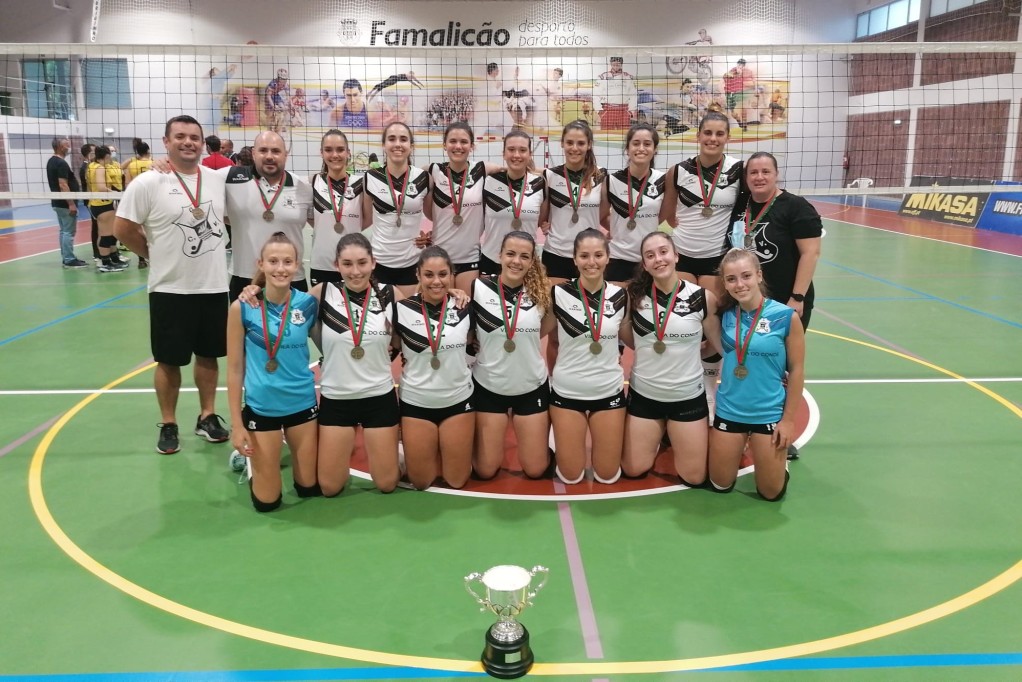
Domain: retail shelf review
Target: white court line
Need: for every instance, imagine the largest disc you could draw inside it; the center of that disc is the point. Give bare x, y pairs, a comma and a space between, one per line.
823, 382
919, 236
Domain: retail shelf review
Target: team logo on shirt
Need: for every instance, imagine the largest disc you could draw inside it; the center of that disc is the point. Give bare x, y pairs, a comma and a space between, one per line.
651, 190
297, 317
763, 327
412, 191
681, 307
201, 235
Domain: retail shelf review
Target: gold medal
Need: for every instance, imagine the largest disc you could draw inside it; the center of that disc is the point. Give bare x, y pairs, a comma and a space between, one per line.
630, 224
516, 223
198, 213
457, 220
271, 365
595, 348
268, 215
434, 362
749, 241
339, 227
707, 211
574, 216
659, 347
741, 371
358, 352
509, 345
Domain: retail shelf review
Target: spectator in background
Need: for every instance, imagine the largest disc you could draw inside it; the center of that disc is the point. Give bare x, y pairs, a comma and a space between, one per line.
215, 160
61, 179
245, 156
227, 149
138, 164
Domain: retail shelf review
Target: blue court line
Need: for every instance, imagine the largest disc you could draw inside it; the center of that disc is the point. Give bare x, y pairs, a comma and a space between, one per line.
924, 294
69, 316
874, 662
250, 675
861, 299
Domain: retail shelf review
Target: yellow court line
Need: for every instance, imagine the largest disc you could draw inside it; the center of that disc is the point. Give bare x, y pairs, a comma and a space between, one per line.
50, 525
8, 224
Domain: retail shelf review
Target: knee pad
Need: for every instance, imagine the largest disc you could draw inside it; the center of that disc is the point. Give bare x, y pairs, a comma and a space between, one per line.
717, 489
565, 481
108, 242
607, 481
779, 496
694, 486
263, 507
308, 490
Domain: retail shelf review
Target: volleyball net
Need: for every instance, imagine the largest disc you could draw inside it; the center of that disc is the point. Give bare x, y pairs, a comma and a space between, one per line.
856, 119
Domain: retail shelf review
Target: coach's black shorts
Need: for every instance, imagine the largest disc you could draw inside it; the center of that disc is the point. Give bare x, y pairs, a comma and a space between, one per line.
181, 325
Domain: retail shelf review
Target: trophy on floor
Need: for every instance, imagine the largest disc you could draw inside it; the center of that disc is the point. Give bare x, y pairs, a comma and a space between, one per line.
509, 590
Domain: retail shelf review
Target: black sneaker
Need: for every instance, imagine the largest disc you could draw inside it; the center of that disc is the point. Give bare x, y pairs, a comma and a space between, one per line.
212, 429
75, 264
168, 443
142, 263
792, 453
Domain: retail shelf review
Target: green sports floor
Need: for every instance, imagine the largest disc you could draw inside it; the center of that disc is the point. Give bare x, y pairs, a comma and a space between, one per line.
896, 555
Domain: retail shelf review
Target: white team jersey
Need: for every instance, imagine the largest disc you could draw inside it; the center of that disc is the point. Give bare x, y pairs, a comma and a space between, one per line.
421, 385
246, 194
499, 214
347, 197
460, 241
343, 377
677, 373
496, 370
187, 255
578, 373
624, 242
697, 236
394, 246
560, 241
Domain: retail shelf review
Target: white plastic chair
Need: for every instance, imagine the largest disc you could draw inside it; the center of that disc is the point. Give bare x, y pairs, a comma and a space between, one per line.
860, 183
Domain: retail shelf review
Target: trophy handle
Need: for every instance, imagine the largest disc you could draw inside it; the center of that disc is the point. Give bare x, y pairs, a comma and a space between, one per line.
546, 574
471, 578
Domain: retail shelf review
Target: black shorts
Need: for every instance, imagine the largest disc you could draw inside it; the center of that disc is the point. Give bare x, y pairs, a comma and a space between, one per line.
728, 426
255, 422
614, 402
488, 267
184, 324
466, 267
559, 266
700, 267
239, 283
533, 402
378, 412
321, 276
97, 211
691, 410
620, 270
437, 415
397, 276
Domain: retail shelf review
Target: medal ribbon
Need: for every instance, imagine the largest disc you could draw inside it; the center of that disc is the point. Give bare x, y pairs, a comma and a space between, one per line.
457, 198
713, 188
509, 325
356, 334
642, 191
271, 352
434, 345
398, 205
338, 209
517, 210
742, 347
574, 194
276, 195
748, 227
197, 199
595, 319
661, 329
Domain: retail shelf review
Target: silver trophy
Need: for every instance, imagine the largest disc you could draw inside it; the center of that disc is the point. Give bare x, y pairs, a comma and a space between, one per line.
509, 590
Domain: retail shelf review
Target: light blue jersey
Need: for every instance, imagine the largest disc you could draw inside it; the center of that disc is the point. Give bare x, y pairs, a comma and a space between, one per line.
759, 397
291, 388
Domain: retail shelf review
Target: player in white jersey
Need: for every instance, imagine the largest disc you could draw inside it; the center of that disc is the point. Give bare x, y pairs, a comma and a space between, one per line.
262, 200
513, 198
669, 317
175, 221
631, 202
587, 382
511, 315
573, 195
433, 335
336, 206
392, 205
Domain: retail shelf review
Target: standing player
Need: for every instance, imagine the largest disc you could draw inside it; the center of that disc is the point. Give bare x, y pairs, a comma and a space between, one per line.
669, 318
104, 175
279, 387
392, 205
587, 383
514, 201
764, 357
262, 200
336, 206
175, 221
437, 421
631, 202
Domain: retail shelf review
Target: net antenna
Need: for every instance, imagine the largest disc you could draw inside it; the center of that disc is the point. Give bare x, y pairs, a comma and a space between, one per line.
97, 6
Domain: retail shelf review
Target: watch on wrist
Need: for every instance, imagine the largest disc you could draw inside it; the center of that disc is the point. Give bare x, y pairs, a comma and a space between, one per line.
798, 298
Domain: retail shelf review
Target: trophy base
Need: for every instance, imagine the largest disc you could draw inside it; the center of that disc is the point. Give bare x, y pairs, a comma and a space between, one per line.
507, 660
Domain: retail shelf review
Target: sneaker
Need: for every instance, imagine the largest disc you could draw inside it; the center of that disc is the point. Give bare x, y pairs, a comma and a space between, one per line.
168, 443
121, 247
112, 267
142, 263
75, 264
116, 259
792, 453
212, 429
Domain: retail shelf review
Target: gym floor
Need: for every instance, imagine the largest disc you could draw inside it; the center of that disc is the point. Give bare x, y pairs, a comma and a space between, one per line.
896, 554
